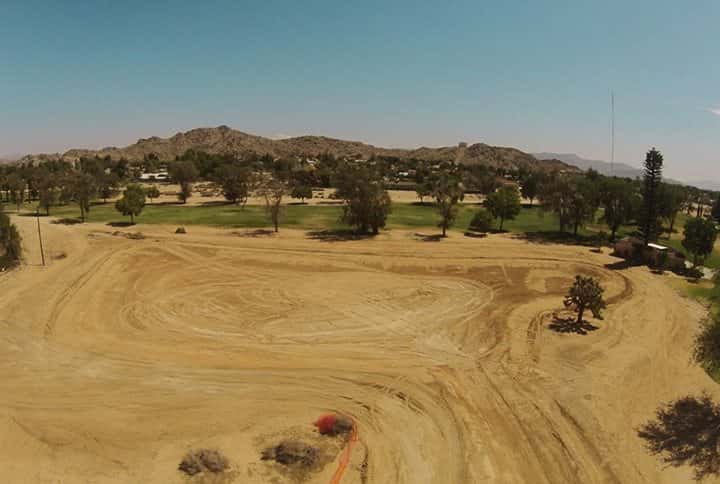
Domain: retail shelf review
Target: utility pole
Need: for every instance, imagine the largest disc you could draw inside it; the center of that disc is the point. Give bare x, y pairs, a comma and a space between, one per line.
612, 132
42, 252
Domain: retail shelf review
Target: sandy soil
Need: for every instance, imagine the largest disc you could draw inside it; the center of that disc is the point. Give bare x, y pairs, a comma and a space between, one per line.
121, 355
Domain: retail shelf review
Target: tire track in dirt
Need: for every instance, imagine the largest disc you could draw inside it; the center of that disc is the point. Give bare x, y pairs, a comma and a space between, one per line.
440, 357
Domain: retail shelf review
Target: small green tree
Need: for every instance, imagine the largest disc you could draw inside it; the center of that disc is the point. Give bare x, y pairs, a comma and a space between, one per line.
482, 221
10, 240
16, 185
273, 189
152, 192
448, 192
83, 188
302, 192
556, 195
530, 186
132, 202
234, 182
706, 350
715, 212
108, 184
47, 189
586, 293
618, 199
700, 235
184, 173
504, 204
367, 203
424, 189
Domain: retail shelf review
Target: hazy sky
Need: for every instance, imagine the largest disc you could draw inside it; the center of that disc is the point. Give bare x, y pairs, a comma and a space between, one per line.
534, 75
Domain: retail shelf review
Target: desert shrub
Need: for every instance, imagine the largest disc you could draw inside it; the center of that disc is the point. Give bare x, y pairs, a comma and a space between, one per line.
203, 460
482, 221
585, 293
293, 453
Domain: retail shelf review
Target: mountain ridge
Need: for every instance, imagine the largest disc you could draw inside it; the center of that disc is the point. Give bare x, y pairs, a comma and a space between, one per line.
223, 139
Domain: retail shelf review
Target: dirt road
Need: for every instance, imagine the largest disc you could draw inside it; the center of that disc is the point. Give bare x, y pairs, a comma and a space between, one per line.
123, 354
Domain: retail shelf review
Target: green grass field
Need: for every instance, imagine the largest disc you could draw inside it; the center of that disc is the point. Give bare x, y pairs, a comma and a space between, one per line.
322, 217
311, 217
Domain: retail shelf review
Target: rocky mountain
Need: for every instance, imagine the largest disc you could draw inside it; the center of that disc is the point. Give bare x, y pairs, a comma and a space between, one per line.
227, 140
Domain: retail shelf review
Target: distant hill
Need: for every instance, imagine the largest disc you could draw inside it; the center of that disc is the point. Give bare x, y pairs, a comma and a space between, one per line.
602, 167
621, 169
223, 139
5, 159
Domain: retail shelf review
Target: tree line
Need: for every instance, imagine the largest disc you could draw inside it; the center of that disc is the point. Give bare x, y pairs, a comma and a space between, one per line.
577, 199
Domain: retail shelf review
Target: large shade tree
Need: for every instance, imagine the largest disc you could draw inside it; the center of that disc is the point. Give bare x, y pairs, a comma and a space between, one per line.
504, 204
367, 203
618, 199
699, 238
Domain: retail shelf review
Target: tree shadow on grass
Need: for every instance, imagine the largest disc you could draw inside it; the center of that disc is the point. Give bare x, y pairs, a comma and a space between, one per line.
620, 265
174, 202
570, 325
254, 233
686, 431
475, 234
428, 237
339, 235
120, 224
556, 237
217, 203
67, 221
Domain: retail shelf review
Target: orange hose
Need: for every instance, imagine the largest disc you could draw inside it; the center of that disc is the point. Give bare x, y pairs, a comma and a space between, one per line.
345, 457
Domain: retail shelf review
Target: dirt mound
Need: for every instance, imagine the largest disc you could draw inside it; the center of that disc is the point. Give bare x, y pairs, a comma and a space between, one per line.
293, 453
203, 460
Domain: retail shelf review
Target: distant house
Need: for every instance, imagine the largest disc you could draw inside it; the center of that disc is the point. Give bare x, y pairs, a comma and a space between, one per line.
633, 248
161, 175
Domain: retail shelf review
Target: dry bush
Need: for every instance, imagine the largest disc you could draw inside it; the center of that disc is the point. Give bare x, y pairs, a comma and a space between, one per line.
180, 230
293, 453
203, 460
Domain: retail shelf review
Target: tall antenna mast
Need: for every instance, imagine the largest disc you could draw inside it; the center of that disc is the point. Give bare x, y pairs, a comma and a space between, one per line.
612, 132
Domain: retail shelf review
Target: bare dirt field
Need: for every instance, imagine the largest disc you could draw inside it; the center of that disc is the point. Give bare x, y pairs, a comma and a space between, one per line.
122, 355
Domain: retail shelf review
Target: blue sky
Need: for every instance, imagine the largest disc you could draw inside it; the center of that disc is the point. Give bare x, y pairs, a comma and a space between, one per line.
534, 75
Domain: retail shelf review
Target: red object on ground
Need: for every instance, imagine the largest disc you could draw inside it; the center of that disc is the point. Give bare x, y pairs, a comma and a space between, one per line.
326, 423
